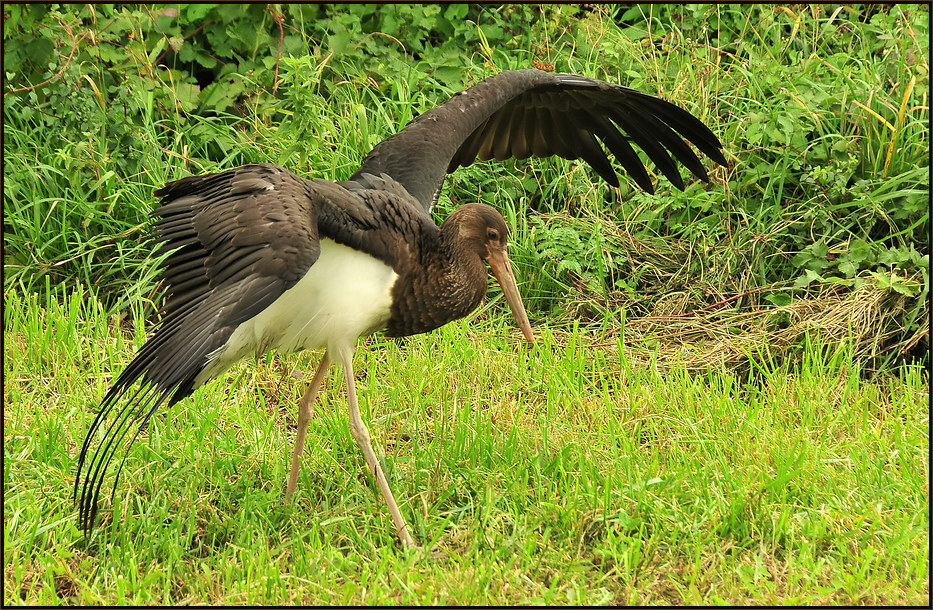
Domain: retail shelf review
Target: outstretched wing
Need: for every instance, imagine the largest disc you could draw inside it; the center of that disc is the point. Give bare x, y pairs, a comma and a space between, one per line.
240, 238
526, 113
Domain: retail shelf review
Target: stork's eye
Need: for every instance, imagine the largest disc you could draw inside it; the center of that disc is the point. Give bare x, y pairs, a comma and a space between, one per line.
492, 235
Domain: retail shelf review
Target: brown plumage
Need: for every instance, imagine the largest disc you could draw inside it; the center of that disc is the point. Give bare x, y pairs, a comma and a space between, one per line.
262, 259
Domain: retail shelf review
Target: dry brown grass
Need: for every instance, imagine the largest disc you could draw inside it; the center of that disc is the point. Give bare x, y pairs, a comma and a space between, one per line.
865, 318
868, 320
698, 308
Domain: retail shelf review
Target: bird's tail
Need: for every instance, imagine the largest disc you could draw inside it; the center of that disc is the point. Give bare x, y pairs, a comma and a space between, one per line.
164, 370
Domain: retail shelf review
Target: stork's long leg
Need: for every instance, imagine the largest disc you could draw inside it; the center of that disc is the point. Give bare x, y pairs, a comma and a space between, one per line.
305, 411
360, 434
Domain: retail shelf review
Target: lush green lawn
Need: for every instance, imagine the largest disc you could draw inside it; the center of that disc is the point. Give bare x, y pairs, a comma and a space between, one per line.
556, 473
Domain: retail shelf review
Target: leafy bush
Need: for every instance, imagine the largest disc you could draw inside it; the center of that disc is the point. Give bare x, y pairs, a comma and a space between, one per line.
823, 111
102, 100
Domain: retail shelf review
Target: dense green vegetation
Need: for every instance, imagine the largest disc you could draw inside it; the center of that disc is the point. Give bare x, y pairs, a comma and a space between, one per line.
823, 113
734, 406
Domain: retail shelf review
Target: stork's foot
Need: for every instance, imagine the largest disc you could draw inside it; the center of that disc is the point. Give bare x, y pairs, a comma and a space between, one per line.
425, 552
435, 554
401, 528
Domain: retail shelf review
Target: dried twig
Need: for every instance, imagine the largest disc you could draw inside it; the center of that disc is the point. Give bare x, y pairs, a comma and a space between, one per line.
74, 47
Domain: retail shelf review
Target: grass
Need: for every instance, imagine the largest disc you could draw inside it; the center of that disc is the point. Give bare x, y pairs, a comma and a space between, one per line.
556, 473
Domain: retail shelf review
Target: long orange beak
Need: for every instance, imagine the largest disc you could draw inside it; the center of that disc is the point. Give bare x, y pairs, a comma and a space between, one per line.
499, 263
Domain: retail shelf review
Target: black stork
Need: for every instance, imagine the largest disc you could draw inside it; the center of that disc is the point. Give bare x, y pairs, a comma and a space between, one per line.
262, 259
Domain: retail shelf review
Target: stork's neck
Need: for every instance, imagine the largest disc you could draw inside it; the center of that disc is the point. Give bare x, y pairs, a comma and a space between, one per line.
448, 282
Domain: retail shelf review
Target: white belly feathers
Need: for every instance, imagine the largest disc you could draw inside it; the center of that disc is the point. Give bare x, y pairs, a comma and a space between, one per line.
344, 295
